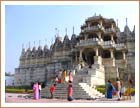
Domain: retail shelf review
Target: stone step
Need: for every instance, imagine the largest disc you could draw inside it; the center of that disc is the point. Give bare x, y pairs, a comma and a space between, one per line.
81, 91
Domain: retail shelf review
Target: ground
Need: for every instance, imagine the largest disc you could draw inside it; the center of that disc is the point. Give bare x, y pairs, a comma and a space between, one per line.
22, 98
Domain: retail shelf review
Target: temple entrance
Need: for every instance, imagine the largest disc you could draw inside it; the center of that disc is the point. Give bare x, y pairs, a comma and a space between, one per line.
88, 56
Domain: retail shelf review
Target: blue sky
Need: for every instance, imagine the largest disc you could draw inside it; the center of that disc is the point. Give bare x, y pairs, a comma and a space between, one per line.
29, 23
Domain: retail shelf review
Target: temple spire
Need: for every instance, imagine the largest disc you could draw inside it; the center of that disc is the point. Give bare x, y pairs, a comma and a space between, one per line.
117, 22
66, 31
126, 22
58, 33
34, 43
39, 42
29, 44
73, 29
55, 33
134, 29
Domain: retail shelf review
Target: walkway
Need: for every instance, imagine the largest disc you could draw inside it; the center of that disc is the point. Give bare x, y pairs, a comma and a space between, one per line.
22, 98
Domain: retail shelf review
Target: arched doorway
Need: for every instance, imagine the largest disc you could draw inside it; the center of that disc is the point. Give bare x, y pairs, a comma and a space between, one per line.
88, 56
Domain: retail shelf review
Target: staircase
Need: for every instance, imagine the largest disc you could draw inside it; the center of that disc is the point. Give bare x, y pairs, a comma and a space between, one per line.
82, 88
80, 91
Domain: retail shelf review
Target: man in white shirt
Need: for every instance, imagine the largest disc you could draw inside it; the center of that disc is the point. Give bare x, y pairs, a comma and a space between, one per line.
118, 88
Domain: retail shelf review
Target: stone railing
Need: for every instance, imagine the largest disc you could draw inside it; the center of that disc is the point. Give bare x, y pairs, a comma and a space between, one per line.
92, 28
108, 61
120, 46
109, 30
108, 44
121, 63
93, 41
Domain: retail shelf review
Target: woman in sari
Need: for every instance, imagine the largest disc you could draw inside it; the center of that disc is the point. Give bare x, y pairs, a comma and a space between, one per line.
109, 89
64, 73
36, 90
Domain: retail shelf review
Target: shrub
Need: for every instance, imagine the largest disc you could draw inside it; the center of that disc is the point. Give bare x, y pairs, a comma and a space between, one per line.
19, 87
100, 86
29, 91
15, 90
18, 91
102, 90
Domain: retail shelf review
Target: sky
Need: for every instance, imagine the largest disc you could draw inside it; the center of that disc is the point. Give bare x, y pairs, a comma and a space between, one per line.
29, 23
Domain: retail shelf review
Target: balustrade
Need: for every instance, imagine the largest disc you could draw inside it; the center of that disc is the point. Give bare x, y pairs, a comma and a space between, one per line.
109, 30
92, 41
120, 46
93, 28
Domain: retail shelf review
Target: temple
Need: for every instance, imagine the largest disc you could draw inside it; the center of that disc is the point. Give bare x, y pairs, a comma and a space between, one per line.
101, 48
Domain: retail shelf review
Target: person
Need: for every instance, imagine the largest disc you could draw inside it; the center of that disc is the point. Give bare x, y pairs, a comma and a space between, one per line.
121, 88
109, 89
70, 92
52, 90
130, 84
64, 73
36, 90
39, 86
56, 79
70, 77
118, 88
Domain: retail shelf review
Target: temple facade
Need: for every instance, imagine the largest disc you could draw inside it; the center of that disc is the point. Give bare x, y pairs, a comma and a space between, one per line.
103, 51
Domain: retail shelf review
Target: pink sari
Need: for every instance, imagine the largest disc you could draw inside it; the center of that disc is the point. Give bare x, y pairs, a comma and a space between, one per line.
36, 91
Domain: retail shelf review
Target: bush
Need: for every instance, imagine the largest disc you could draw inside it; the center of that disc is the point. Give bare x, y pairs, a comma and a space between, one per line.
100, 86
29, 91
19, 87
18, 91
102, 90
15, 90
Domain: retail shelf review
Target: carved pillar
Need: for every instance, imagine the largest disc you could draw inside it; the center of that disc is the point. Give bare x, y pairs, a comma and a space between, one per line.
100, 23
112, 38
111, 53
81, 55
112, 27
124, 57
89, 25
97, 52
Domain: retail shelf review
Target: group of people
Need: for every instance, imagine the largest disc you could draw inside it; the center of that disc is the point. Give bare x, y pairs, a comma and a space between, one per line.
117, 89
63, 79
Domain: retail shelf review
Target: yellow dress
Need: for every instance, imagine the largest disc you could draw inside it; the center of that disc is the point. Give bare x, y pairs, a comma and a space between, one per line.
64, 76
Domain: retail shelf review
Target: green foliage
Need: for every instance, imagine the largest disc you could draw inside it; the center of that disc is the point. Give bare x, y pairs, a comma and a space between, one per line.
29, 91
18, 87
13, 90
102, 90
100, 86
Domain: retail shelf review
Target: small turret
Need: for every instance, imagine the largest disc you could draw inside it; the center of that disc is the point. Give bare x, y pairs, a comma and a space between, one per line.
127, 30
66, 41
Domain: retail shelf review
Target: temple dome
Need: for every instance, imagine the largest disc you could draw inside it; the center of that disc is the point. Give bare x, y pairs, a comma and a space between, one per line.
58, 45
127, 30
34, 49
66, 42
39, 48
73, 40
